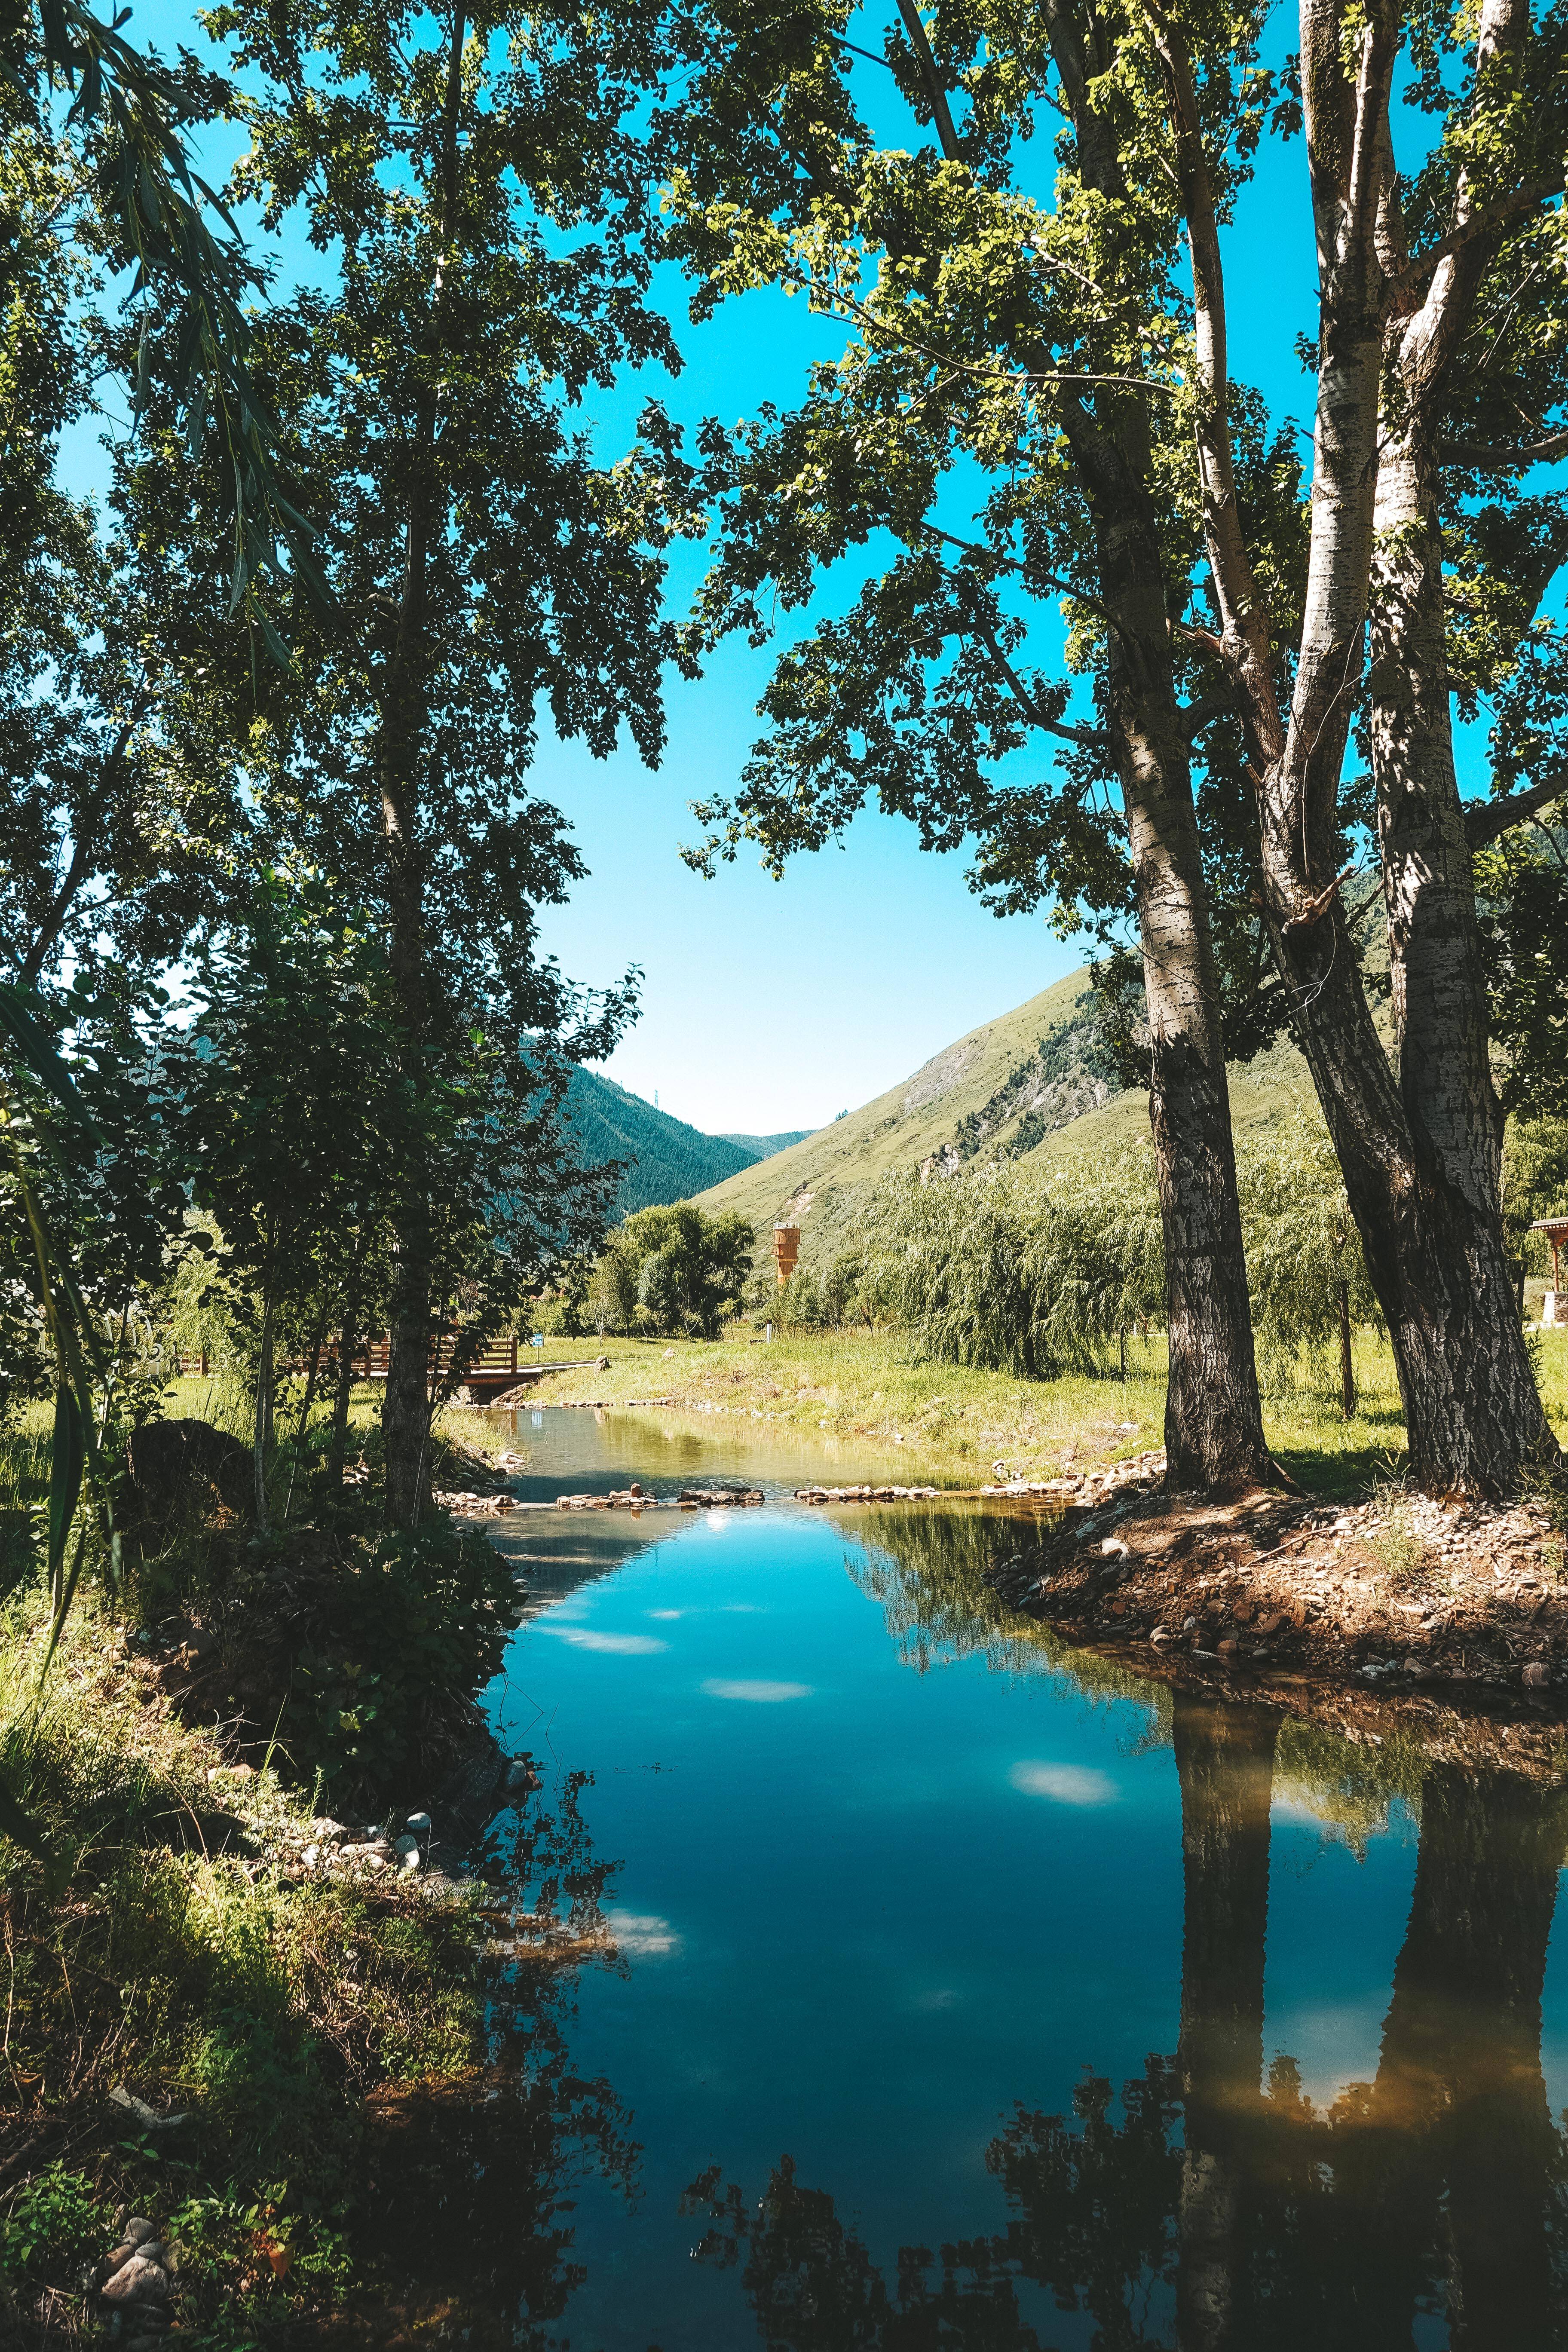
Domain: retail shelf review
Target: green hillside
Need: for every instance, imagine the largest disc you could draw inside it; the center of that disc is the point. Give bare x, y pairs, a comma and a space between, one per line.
763, 1147
1028, 1084
670, 1161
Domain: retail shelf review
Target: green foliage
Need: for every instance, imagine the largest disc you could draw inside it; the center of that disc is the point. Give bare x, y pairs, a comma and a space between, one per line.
1534, 1184
1006, 1267
52, 2226
675, 1271
1521, 884
134, 119
844, 1291
663, 1159
408, 1624
994, 1267
1304, 1258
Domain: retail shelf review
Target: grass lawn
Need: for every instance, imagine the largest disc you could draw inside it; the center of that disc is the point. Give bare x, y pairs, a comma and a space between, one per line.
957, 1423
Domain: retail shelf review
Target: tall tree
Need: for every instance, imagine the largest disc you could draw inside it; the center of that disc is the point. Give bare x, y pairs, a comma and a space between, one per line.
1419, 1146
482, 189
1019, 342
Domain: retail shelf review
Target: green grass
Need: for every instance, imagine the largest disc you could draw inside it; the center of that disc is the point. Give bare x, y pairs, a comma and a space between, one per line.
953, 1424
266, 2014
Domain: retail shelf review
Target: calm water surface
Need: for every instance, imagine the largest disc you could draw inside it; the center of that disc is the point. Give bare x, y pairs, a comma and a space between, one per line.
970, 1993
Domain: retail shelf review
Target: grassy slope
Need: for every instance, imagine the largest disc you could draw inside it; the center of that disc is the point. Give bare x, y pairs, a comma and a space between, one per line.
819, 1184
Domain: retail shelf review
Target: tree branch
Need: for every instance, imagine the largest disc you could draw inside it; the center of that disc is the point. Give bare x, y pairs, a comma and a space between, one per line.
81, 858
1089, 737
1217, 704
1024, 571
1484, 820
1490, 458
1244, 620
941, 115
1479, 224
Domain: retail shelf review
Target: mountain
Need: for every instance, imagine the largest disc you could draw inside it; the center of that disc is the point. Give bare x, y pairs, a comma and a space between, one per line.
763, 1147
1025, 1085
670, 1161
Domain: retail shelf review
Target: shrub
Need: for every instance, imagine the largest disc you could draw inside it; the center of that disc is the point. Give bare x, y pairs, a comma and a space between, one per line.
52, 2226
398, 1636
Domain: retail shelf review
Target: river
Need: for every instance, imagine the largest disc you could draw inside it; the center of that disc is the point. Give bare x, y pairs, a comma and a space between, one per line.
970, 1992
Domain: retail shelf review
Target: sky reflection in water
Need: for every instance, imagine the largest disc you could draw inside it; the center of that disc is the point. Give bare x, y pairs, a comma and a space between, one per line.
970, 1996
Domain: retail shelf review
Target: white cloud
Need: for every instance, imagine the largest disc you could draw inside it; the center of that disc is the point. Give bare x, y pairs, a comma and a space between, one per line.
642, 1932
764, 1692
625, 1645
1065, 1784
662, 1613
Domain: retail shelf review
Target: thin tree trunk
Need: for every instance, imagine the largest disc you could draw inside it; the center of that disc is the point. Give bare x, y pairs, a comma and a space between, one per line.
1213, 1416
261, 1436
1347, 1362
348, 1340
1225, 1761
406, 1410
309, 1398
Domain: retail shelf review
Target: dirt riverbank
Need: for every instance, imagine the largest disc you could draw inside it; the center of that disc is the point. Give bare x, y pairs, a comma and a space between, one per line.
1400, 1593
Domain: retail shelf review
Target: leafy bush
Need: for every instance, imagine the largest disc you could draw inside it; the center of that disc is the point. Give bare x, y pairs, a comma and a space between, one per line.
405, 1631
53, 2224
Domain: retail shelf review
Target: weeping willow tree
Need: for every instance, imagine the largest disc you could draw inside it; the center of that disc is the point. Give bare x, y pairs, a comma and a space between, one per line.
1307, 1279
1017, 1273
1044, 1272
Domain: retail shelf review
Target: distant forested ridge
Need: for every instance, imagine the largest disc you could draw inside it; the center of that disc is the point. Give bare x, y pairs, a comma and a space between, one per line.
669, 1160
763, 1147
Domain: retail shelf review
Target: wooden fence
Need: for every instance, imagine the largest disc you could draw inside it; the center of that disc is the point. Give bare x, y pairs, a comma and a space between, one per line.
493, 1366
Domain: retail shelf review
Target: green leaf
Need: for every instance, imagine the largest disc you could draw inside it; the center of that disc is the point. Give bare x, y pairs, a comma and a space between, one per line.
19, 1826
68, 1461
19, 1019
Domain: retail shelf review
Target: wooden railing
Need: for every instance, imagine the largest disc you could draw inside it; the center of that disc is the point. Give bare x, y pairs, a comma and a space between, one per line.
495, 1362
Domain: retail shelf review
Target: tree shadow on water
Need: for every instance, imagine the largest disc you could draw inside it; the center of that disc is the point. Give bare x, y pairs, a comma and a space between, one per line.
1221, 2210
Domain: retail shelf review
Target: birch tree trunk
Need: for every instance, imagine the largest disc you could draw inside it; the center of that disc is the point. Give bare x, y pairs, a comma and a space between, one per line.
1473, 1387
1474, 1410
1214, 1417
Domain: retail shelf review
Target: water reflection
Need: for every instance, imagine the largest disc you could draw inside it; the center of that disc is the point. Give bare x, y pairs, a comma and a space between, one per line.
1221, 2212
468, 2187
860, 1925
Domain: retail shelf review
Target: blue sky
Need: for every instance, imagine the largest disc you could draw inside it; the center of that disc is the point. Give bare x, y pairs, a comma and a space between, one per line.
771, 1005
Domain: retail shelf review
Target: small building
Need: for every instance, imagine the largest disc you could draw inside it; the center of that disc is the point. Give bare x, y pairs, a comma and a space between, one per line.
787, 1251
1554, 1305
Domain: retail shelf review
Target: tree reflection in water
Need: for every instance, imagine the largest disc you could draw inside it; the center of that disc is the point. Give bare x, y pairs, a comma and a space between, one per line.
468, 2187
1222, 2211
